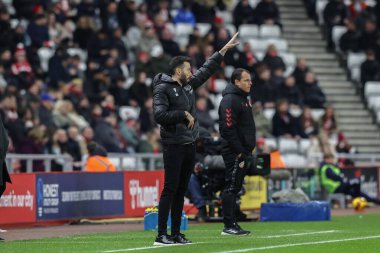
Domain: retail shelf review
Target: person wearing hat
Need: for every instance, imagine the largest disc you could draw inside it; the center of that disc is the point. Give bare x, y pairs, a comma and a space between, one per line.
174, 110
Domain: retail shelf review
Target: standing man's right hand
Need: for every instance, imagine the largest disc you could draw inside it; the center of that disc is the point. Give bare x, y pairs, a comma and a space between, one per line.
190, 119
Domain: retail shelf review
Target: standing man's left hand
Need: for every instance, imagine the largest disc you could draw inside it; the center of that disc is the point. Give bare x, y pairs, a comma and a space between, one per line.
230, 44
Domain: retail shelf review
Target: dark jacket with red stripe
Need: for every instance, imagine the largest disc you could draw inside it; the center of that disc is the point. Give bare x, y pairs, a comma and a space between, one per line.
236, 123
171, 100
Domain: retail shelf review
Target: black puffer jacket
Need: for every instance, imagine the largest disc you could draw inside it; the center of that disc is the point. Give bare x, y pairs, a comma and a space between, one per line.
171, 100
236, 124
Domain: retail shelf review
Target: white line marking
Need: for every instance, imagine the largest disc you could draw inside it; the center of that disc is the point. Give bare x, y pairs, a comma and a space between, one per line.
149, 247
301, 244
309, 233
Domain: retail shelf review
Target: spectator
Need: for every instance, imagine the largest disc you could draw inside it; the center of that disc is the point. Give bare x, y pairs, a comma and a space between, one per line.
263, 91
98, 45
308, 124
267, 12
109, 17
263, 125
84, 31
119, 92
38, 31
203, 115
168, 44
272, 60
343, 147
86, 8
143, 64
328, 123
21, 68
357, 10
243, 13
245, 59
148, 38
141, 15
185, 15
146, 116
73, 146
335, 13
289, 91
283, 123
97, 160
64, 115
369, 69
313, 95
58, 146
349, 42
6, 33
139, 91
126, 11
204, 11
88, 135
160, 60
33, 143
105, 133
129, 130
277, 77
300, 71
45, 110
369, 36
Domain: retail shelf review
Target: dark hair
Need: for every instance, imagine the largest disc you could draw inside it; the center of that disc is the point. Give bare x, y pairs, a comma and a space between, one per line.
177, 62
236, 75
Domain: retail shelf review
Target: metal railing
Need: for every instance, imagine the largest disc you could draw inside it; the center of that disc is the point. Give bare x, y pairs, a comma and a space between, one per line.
147, 161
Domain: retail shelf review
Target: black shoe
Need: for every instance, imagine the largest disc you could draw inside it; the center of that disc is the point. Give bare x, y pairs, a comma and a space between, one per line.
180, 238
235, 230
163, 240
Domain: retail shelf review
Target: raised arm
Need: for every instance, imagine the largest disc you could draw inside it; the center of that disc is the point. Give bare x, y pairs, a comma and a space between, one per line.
212, 64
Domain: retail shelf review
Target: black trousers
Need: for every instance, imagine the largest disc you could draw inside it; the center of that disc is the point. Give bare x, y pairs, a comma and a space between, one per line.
234, 176
179, 161
2, 189
353, 189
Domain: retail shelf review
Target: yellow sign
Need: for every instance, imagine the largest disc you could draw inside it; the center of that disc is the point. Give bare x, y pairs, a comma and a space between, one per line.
256, 192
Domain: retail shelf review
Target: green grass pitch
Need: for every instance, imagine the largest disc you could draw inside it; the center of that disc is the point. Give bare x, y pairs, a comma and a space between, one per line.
357, 233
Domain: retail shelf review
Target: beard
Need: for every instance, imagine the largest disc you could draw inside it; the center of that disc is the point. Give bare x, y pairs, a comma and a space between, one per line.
183, 79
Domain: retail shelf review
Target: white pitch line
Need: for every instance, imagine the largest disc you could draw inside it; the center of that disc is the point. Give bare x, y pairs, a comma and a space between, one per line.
301, 244
149, 247
309, 233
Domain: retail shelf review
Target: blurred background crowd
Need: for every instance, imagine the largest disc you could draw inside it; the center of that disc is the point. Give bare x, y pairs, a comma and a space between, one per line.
72, 72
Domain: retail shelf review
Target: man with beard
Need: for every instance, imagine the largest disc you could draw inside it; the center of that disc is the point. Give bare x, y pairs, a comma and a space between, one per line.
174, 110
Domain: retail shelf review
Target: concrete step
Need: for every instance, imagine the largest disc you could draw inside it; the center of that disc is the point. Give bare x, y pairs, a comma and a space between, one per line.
301, 36
362, 135
369, 150
302, 29
337, 91
288, 4
298, 15
343, 107
306, 43
365, 143
327, 71
344, 98
332, 79
311, 49
291, 22
354, 120
334, 83
352, 113
323, 64
363, 128
324, 56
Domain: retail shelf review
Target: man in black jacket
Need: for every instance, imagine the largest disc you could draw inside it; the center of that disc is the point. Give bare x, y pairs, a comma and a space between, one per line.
237, 128
174, 110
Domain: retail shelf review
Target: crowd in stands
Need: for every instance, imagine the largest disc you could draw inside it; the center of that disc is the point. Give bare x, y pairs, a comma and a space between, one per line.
68, 68
362, 34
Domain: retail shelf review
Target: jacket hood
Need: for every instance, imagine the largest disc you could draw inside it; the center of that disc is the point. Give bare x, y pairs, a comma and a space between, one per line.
162, 78
233, 89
